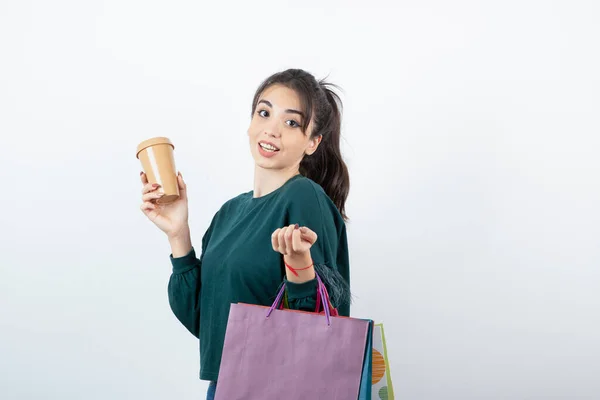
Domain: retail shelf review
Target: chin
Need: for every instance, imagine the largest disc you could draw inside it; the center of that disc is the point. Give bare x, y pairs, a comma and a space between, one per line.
266, 165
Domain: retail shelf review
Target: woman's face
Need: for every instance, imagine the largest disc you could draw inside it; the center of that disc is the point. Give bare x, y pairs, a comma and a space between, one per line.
275, 134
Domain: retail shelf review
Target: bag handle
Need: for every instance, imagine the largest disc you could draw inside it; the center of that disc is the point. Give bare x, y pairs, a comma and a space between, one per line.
321, 289
332, 311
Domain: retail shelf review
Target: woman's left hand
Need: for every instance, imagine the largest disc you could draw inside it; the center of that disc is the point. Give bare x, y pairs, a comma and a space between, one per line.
293, 240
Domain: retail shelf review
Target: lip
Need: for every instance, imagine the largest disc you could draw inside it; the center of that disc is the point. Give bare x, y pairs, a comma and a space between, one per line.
264, 153
269, 143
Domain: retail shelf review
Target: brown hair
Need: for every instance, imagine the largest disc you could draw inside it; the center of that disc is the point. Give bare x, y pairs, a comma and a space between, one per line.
325, 166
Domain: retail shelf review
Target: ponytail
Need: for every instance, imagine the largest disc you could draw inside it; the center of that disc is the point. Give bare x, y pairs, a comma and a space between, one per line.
326, 166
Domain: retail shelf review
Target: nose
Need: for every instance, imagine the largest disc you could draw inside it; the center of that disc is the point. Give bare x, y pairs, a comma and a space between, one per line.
273, 129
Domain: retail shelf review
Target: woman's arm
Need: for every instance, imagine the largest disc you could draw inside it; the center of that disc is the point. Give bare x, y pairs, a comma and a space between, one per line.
318, 243
185, 282
302, 284
184, 290
181, 244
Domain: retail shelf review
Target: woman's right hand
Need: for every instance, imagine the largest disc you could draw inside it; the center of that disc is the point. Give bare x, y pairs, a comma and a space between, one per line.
170, 218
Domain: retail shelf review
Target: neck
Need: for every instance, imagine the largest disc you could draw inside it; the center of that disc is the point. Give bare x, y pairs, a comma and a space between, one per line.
269, 180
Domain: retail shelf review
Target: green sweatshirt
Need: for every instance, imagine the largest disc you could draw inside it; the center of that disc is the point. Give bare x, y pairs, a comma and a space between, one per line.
238, 263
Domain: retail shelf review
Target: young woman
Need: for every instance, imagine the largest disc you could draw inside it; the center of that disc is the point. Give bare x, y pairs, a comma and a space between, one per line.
290, 225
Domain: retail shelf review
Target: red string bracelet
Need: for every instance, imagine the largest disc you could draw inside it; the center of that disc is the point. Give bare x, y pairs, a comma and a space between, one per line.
297, 269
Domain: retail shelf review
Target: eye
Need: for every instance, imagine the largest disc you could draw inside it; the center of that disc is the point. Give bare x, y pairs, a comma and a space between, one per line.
293, 123
263, 113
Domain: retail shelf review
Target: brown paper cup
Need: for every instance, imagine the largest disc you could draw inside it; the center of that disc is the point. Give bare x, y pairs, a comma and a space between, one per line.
158, 162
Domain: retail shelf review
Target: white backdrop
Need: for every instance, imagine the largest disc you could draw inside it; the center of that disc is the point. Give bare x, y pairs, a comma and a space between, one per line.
471, 132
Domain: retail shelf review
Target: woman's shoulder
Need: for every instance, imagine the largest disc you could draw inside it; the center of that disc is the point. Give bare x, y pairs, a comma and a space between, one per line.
300, 184
307, 194
301, 188
232, 204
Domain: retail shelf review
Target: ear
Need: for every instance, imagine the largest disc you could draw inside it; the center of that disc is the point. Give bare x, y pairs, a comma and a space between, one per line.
313, 144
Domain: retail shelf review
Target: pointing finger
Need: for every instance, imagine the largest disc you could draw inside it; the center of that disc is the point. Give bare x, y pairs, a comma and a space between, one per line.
308, 235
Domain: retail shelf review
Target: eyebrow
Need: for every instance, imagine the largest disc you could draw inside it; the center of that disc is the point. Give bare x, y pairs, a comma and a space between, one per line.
289, 110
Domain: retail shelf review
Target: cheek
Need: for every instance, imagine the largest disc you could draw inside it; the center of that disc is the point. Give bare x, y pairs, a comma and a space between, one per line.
254, 127
251, 129
295, 146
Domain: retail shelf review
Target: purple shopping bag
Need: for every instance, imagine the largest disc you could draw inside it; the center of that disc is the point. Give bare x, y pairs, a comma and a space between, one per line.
273, 354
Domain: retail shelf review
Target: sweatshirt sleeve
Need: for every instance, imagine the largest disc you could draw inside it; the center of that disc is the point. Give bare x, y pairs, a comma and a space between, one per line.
185, 285
312, 208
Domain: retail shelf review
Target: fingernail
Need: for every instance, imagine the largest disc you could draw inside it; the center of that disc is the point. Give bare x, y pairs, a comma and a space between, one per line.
296, 226
141, 173
155, 185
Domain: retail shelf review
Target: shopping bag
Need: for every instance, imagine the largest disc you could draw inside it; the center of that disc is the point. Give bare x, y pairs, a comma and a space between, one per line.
272, 353
381, 376
367, 372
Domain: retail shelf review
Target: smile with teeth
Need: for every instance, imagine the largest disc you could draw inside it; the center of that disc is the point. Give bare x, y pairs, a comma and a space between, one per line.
268, 147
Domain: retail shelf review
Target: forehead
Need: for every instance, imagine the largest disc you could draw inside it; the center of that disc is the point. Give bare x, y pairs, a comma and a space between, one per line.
282, 97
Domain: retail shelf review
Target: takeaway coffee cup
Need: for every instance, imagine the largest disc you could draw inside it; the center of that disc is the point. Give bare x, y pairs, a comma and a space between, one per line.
158, 162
